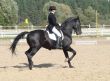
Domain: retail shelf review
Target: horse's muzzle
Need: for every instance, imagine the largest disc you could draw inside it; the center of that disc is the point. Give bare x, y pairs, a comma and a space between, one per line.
79, 33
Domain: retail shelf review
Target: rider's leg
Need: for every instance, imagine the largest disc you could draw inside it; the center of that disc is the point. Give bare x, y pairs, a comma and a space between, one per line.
58, 45
56, 32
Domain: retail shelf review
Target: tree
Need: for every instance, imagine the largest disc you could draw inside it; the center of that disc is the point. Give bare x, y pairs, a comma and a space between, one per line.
83, 18
8, 12
63, 11
91, 14
34, 9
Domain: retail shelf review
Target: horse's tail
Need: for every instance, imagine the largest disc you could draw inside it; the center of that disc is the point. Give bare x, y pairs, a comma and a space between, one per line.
17, 38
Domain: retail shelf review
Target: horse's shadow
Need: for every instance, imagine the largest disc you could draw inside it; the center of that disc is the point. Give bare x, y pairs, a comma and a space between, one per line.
25, 65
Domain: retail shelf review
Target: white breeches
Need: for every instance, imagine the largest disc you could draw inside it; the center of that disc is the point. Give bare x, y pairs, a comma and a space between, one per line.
56, 32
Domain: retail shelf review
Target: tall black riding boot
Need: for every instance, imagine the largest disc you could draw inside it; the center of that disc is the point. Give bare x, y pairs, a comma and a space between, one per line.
59, 43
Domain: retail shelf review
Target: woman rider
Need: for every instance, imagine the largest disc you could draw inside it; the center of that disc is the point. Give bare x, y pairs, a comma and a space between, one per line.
53, 25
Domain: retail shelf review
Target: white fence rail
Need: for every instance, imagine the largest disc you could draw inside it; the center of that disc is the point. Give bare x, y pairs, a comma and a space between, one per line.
87, 30
96, 32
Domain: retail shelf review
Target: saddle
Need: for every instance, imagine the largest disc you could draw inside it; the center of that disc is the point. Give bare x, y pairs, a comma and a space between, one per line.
55, 38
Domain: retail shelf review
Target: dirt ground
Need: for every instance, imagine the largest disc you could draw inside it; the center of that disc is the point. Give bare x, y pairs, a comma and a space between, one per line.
92, 63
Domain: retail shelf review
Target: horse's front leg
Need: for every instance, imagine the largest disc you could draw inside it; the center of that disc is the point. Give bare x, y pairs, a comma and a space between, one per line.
73, 51
67, 58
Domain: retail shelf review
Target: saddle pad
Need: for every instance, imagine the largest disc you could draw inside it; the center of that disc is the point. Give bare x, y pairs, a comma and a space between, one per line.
52, 36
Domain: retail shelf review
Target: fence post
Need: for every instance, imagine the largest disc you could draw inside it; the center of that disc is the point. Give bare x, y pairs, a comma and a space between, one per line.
32, 27
16, 27
89, 26
102, 31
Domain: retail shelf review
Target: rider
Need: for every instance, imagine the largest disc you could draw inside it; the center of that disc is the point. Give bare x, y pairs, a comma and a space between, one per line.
53, 25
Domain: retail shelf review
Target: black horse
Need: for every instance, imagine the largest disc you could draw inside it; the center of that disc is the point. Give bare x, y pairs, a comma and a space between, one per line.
39, 38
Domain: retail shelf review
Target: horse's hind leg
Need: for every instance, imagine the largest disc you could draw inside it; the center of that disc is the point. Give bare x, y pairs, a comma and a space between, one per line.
28, 56
30, 53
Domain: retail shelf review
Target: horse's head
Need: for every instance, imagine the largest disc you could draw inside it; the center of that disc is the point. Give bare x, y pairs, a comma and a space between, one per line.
77, 26
72, 23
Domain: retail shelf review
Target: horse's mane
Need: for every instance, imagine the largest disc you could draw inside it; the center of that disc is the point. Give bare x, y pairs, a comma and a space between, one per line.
66, 21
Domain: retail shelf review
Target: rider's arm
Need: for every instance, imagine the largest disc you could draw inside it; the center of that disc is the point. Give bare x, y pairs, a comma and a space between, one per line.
53, 20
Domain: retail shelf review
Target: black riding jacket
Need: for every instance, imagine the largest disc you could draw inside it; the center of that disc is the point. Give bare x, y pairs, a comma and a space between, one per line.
52, 21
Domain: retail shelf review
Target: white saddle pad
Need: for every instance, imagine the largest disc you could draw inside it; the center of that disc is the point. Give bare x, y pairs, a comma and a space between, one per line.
53, 37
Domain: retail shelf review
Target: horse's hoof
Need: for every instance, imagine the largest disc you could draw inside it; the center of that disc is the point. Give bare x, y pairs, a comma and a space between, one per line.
71, 66
30, 67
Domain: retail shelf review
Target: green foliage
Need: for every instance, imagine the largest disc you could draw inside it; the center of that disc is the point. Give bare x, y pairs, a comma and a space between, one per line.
8, 12
31, 9
90, 13
36, 10
83, 18
63, 11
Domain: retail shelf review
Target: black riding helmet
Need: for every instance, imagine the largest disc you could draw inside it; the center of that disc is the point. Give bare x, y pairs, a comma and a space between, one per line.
52, 8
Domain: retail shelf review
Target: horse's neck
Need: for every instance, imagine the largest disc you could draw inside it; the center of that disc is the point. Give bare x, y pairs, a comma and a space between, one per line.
67, 31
